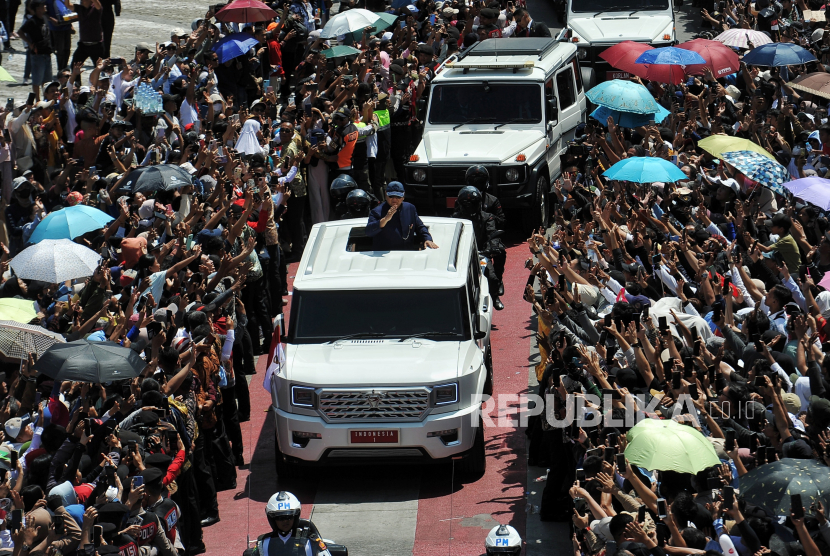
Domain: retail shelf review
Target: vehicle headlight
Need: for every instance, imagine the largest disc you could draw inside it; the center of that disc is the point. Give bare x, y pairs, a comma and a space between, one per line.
512, 174
303, 397
582, 53
444, 394
419, 175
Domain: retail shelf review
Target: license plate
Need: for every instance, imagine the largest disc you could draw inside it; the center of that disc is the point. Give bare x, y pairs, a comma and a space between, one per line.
617, 75
389, 436
451, 202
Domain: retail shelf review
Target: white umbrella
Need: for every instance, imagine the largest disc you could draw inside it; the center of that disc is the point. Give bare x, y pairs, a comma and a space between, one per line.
349, 22
55, 261
18, 340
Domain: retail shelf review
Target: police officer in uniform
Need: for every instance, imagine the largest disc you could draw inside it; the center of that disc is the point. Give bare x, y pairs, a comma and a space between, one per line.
287, 537
384, 132
470, 202
503, 540
165, 509
152, 539
339, 190
358, 204
112, 518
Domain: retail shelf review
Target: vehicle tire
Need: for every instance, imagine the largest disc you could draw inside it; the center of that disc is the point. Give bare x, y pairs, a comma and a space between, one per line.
538, 214
473, 465
286, 471
488, 366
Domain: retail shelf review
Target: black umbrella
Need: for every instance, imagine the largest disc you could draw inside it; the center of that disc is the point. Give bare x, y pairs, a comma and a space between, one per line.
85, 361
770, 486
161, 177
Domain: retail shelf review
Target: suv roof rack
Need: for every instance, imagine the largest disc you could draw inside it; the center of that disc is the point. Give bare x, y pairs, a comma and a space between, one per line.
524, 46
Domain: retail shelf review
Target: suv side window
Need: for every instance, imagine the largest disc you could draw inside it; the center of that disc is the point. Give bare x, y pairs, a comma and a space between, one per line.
565, 88
577, 74
473, 282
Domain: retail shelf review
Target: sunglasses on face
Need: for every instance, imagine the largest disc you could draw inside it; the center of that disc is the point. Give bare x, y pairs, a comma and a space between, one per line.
285, 130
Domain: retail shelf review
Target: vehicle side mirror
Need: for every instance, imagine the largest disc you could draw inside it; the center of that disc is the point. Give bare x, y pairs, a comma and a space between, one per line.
480, 335
481, 326
552, 110
337, 550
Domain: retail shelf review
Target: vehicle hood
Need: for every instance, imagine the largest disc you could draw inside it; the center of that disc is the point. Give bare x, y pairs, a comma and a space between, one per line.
372, 362
484, 145
619, 27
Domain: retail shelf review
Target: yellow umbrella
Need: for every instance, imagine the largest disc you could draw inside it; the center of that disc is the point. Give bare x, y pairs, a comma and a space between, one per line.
6, 76
719, 144
19, 310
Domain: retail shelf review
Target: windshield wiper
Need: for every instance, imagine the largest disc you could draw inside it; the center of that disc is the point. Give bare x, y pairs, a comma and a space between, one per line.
427, 334
596, 14
473, 121
634, 12
358, 335
514, 120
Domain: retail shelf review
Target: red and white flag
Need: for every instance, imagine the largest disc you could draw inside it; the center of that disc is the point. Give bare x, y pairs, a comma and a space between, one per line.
276, 353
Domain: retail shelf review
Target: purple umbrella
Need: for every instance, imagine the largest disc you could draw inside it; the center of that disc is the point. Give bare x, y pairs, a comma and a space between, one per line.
814, 190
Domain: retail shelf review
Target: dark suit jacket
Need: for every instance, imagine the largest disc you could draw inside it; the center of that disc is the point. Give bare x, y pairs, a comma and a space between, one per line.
537, 29
404, 232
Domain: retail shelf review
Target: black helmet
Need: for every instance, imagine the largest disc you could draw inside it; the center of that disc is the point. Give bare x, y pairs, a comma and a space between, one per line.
341, 187
358, 202
469, 199
478, 176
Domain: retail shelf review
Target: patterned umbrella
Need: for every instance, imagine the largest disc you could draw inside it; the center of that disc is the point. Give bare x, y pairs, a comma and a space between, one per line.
718, 144
758, 167
624, 96
54, 261
770, 486
738, 38
19, 340
85, 361
17, 310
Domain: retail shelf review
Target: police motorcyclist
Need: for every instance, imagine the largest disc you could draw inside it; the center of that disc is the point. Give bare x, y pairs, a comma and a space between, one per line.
479, 177
503, 539
484, 227
287, 538
340, 189
358, 204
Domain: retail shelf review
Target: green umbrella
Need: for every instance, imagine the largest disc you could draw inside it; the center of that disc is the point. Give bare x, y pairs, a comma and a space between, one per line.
386, 20
339, 51
771, 485
669, 446
18, 310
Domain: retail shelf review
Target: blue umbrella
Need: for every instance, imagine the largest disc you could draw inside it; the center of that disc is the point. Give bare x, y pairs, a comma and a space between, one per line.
625, 96
758, 167
778, 54
626, 119
645, 169
234, 46
670, 55
70, 223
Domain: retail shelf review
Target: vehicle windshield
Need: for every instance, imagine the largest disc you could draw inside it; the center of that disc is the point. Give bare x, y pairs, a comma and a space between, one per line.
617, 6
323, 316
455, 104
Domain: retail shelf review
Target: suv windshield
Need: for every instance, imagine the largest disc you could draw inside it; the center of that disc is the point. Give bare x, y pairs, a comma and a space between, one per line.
455, 104
617, 6
322, 316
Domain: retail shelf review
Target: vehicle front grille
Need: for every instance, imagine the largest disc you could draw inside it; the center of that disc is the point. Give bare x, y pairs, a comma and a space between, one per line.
449, 176
374, 405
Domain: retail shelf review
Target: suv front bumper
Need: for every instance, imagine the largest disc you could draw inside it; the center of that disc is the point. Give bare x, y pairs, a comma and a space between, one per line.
413, 440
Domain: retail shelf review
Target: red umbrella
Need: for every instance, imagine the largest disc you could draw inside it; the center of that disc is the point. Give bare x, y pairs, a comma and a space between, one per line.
623, 55
245, 11
721, 59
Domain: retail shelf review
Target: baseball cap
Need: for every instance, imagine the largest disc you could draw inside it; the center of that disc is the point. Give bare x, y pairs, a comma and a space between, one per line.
143, 46
15, 425
394, 189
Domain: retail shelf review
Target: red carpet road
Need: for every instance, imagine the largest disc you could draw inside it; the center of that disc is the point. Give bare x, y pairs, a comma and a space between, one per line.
449, 519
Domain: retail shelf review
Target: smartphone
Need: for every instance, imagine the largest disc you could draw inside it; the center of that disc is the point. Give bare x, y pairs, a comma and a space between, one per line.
98, 535
312, 140
432, 19
796, 506
663, 323
661, 508
562, 283
581, 505
13, 456
656, 259
696, 347
729, 445
728, 496
675, 380
31, 100
609, 453
593, 452
771, 454
307, 109
641, 514
727, 281
57, 520
38, 396
162, 413
138, 481
693, 391
580, 475
16, 520
9, 104
403, 24
7, 136
620, 461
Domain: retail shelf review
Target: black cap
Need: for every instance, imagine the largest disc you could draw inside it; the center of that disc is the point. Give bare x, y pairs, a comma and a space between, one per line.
490, 13
158, 461
153, 476
425, 49
396, 69
148, 418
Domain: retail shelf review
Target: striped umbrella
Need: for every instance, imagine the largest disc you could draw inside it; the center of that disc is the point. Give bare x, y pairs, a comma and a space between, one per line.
19, 340
738, 38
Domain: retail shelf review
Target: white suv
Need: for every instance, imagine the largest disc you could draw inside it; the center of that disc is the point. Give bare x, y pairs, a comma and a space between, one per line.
388, 352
